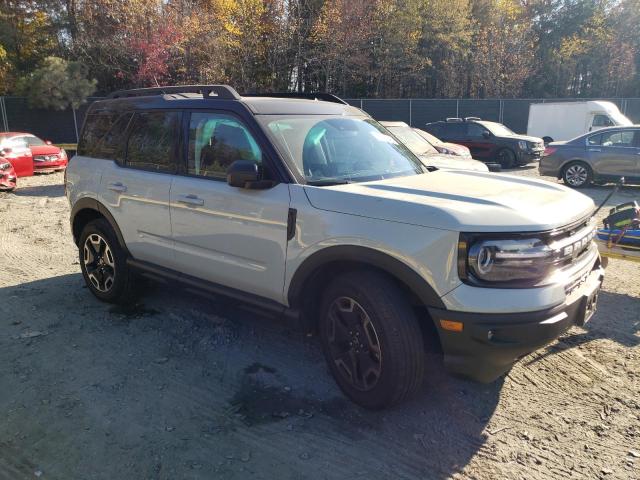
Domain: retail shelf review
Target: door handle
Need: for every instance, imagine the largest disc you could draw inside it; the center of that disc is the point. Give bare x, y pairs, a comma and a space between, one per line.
595, 149
190, 200
117, 187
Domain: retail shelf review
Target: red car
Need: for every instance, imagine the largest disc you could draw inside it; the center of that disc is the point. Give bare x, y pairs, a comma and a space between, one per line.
46, 157
16, 152
8, 177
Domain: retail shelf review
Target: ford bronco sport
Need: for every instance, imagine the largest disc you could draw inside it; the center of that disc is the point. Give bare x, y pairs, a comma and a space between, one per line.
307, 207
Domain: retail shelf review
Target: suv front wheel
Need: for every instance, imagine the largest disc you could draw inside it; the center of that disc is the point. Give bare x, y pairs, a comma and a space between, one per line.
371, 339
104, 263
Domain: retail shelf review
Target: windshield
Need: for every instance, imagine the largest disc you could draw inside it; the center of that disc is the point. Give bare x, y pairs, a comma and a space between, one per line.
337, 149
12, 142
32, 140
498, 129
411, 139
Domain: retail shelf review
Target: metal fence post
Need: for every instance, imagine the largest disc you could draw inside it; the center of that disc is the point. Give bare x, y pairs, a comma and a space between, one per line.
3, 111
410, 117
75, 124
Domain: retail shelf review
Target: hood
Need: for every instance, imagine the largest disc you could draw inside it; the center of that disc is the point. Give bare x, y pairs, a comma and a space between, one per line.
44, 149
453, 162
523, 137
458, 200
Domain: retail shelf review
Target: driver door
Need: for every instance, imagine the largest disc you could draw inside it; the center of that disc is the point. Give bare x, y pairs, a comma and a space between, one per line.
226, 235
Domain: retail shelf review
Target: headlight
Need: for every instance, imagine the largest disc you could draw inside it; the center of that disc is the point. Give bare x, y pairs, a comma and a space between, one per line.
5, 166
521, 261
523, 145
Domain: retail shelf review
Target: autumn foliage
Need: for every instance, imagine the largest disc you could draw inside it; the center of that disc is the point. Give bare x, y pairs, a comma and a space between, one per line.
355, 48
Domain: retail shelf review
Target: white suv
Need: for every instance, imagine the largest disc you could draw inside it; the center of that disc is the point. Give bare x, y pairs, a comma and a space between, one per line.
307, 207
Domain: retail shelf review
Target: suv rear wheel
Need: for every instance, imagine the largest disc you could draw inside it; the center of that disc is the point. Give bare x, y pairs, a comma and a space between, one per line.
371, 339
104, 263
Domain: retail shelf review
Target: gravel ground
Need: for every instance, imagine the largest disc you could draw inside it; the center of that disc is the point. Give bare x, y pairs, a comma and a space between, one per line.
182, 387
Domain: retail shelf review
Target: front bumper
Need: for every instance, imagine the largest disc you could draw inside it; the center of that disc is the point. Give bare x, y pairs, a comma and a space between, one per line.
528, 156
489, 343
49, 166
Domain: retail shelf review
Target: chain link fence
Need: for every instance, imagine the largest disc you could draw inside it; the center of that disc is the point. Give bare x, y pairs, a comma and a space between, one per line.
63, 126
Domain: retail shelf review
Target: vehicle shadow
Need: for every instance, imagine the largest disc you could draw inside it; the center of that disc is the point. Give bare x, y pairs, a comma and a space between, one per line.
207, 386
56, 190
623, 327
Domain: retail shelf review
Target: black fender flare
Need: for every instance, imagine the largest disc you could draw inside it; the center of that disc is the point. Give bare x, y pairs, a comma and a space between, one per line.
93, 204
367, 256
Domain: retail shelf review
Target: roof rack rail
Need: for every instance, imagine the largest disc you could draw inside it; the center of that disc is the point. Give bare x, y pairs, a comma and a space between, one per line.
326, 97
207, 91
453, 119
468, 119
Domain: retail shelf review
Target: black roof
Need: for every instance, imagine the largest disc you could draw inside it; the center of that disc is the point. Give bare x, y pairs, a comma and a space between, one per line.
223, 96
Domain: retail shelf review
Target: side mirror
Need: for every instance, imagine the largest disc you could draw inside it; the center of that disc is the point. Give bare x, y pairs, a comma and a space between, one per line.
48, 142
242, 172
486, 134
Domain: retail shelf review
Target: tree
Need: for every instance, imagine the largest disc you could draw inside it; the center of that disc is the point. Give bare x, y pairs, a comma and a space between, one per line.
57, 84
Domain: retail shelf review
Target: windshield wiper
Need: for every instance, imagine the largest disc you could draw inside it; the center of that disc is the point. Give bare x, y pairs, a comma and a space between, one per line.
328, 182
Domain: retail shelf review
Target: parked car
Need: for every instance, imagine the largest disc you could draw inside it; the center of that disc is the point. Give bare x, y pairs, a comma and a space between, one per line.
313, 211
46, 157
605, 155
17, 152
8, 177
427, 153
444, 147
565, 120
489, 141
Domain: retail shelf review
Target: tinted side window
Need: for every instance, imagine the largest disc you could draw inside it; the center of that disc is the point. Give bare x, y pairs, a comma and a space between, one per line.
151, 143
474, 130
595, 139
617, 139
216, 141
457, 129
112, 144
95, 128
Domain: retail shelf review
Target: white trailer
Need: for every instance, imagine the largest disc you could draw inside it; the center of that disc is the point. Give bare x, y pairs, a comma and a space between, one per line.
556, 121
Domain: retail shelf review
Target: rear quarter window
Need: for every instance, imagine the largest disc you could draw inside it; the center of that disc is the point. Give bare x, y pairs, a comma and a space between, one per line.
103, 136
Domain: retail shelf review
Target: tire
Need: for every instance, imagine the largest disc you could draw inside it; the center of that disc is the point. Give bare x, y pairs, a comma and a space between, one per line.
107, 276
577, 175
506, 158
384, 335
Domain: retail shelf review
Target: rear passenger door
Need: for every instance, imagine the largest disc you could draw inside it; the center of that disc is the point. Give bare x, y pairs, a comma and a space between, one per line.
136, 184
226, 235
614, 153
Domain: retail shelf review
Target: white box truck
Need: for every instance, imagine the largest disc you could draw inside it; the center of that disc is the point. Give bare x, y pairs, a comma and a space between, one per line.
555, 121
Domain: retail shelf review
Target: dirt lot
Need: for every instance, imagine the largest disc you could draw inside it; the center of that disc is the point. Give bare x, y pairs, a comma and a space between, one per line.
186, 387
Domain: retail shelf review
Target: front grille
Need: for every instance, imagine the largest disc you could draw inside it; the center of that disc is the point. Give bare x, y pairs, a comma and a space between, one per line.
578, 253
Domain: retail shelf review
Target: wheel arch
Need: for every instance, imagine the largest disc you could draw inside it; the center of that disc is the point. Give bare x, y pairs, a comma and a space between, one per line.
87, 209
320, 267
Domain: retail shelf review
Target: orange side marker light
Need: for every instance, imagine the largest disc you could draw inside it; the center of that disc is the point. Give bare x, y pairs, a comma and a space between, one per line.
451, 325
